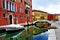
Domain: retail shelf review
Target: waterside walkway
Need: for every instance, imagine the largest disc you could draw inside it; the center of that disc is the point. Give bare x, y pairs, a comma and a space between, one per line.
51, 34
54, 34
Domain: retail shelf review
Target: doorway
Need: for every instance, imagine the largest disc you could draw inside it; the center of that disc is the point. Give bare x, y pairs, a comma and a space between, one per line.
10, 19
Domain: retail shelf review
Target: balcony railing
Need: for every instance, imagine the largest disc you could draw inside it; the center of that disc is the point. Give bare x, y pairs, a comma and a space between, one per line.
27, 6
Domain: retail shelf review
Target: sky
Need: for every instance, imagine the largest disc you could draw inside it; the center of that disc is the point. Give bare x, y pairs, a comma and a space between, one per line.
50, 6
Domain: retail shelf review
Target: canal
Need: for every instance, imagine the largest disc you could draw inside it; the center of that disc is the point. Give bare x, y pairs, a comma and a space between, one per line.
42, 36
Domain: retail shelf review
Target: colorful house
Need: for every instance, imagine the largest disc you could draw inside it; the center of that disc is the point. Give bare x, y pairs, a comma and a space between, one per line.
50, 16
57, 17
39, 15
54, 17
15, 11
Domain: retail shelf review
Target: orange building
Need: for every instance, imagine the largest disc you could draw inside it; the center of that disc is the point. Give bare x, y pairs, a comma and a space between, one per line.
15, 11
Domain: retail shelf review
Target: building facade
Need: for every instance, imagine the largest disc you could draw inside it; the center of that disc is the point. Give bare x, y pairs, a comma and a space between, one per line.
59, 17
15, 11
54, 17
39, 15
50, 17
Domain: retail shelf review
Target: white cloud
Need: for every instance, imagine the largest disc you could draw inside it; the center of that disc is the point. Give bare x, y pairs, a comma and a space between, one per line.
50, 8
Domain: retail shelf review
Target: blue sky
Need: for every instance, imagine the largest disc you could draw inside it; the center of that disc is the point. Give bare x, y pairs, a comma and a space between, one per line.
51, 6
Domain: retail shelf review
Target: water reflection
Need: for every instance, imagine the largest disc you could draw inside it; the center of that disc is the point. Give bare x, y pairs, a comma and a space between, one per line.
42, 36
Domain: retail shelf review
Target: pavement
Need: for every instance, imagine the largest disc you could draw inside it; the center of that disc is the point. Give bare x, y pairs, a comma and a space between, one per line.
55, 23
57, 32
51, 34
54, 34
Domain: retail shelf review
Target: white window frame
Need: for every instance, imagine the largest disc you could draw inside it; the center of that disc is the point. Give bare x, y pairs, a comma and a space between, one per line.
19, 0
20, 9
11, 7
8, 6
5, 5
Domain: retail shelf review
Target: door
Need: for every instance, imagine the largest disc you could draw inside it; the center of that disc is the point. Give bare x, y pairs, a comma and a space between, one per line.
10, 19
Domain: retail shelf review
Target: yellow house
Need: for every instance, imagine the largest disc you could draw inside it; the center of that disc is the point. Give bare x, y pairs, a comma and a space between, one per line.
39, 15
57, 17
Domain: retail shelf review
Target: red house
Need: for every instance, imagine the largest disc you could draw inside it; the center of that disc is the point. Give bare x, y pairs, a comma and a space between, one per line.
50, 16
15, 11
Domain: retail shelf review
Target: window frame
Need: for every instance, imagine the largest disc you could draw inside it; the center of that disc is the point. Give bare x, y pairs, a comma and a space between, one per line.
27, 11
4, 15
3, 3
20, 1
20, 9
21, 17
13, 0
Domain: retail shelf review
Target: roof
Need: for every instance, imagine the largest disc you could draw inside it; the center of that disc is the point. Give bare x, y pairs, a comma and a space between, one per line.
39, 11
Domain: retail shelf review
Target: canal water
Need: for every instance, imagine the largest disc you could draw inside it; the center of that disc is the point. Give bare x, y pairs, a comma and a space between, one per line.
42, 36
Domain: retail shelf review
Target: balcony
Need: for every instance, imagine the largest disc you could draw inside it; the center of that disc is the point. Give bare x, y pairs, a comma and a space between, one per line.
25, 2
27, 6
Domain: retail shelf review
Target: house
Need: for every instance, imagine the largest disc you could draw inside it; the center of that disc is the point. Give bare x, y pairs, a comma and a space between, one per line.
50, 16
39, 15
15, 12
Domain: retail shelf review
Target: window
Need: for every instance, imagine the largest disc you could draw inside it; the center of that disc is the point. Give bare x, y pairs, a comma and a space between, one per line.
4, 15
13, 0
3, 3
14, 8
28, 18
42, 17
20, 0
21, 17
31, 0
27, 11
20, 9
8, 6
11, 6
